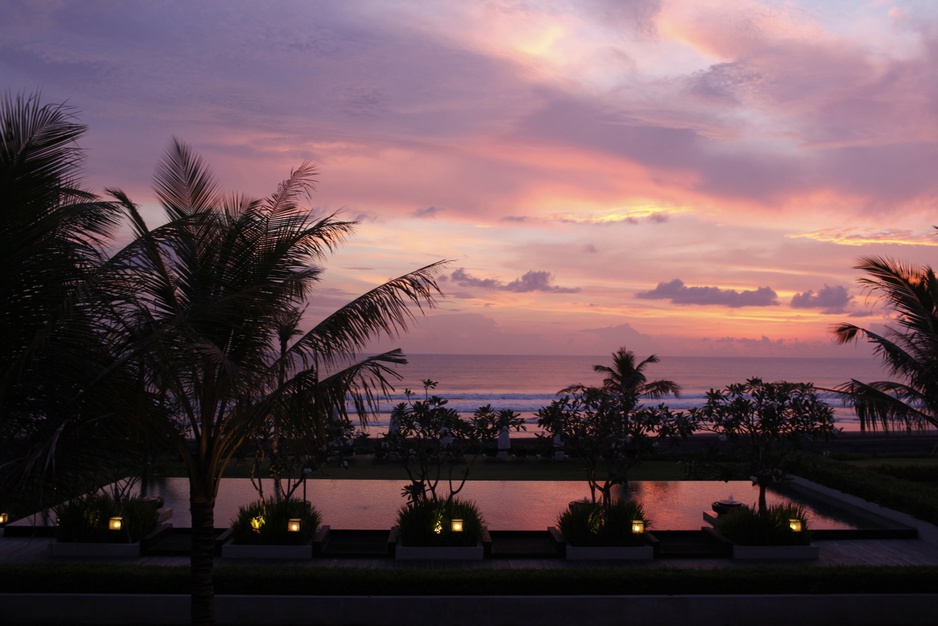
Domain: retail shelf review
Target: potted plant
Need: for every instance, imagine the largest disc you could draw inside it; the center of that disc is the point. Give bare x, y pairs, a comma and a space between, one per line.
440, 529
99, 525
435, 445
274, 528
776, 532
591, 530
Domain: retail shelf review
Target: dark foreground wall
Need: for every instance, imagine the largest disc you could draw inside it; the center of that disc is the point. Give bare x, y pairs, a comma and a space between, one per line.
767, 610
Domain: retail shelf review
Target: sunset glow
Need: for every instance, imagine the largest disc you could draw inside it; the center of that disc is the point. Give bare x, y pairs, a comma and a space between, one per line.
681, 177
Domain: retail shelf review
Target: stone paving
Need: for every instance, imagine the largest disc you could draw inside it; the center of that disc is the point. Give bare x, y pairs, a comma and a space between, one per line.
880, 552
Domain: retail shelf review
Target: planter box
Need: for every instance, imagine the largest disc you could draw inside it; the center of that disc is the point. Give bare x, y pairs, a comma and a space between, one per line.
603, 553
803, 553
96, 550
231, 550
754, 553
439, 553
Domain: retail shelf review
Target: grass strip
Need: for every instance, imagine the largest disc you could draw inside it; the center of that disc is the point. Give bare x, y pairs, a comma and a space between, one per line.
900, 494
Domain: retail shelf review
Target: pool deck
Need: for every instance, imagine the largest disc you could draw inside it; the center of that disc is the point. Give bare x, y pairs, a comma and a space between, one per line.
833, 552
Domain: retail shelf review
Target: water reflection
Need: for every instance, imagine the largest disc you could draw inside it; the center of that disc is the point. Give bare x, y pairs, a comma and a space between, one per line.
506, 505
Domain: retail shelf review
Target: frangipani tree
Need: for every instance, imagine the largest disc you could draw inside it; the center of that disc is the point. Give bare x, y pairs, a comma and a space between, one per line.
430, 440
767, 425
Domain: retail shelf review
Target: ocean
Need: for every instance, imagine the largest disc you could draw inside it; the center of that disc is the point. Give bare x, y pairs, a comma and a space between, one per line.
527, 383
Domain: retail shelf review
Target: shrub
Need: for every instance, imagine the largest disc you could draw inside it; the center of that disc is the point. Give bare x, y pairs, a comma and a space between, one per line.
918, 500
590, 524
265, 522
772, 527
85, 519
427, 522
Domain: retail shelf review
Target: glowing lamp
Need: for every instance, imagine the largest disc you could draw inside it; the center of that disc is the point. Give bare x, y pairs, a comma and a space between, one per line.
4, 518
795, 525
115, 523
456, 525
293, 525
638, 527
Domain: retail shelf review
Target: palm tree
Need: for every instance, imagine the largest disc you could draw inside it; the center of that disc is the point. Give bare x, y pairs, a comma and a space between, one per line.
200, 304
909, 349
606, 426
628, 380
52, 236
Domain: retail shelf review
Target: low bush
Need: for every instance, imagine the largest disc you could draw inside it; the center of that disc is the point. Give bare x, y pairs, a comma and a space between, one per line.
85, 519
922, 474
917, 500
281, 580
428, 522
265, 522
589, 524
748, 527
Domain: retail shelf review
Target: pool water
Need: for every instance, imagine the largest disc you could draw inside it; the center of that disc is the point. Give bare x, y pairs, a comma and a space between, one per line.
505, 505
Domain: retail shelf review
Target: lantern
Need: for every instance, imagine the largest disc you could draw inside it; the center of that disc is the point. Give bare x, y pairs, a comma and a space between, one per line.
293, 525
456, 525
638, 527
115, 523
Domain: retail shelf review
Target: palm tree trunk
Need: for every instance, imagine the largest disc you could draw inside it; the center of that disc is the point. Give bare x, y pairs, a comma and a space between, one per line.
202, 560
762, 503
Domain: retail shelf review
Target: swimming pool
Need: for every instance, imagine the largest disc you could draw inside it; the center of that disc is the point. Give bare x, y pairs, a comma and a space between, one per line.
505, 505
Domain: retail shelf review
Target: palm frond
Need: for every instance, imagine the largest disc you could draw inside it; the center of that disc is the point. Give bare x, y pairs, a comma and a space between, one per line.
909, 349
183, 182
886, 405
384, 310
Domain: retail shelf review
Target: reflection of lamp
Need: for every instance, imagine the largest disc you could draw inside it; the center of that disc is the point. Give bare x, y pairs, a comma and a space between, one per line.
638, 527
115, 523
795, 525
293, 525
4, 518
456, 526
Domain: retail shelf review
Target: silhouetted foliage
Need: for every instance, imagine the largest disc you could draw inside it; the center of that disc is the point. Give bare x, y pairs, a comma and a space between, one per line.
766, 425
909, 349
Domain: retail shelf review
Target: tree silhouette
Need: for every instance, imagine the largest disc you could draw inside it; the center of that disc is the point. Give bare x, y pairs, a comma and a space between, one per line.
909, 349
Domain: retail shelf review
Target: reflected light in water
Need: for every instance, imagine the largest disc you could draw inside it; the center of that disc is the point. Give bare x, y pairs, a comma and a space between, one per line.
505, 505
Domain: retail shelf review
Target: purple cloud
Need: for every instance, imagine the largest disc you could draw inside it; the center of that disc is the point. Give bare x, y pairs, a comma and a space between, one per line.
531, 281
679, 293
429, 212
830, 299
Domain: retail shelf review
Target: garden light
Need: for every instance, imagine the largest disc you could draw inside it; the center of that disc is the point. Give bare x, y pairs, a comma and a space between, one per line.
257, 523
293, 525
456, 526
115, 523
795, 525
638, 527
4, 518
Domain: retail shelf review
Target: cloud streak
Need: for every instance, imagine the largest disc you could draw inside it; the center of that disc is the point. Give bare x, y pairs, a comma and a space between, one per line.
532, 281
678, 293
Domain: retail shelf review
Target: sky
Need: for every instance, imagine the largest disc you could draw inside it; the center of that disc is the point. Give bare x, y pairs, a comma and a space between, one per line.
680, 177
